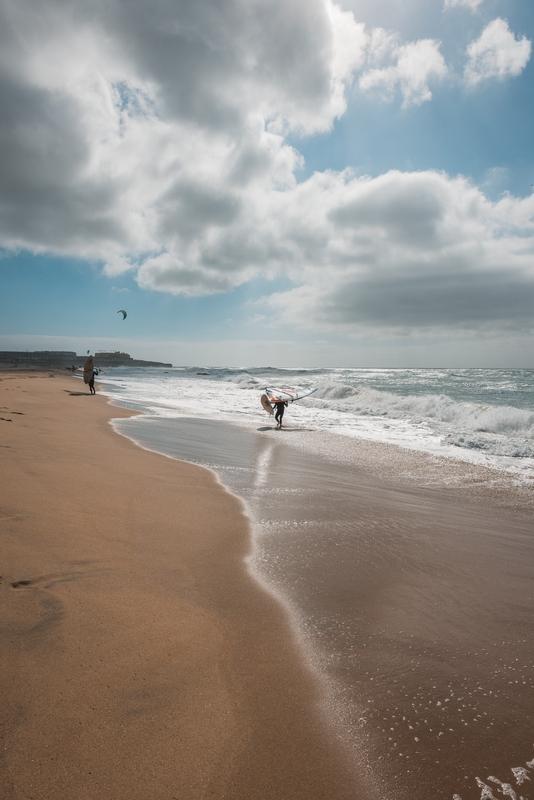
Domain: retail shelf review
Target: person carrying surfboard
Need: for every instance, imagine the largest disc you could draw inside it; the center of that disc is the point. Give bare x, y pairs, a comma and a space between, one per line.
280, 406
89, 373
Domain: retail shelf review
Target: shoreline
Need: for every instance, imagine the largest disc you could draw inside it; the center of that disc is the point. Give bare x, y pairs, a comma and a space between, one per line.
484, 439
411, 468
140, 657
417, 469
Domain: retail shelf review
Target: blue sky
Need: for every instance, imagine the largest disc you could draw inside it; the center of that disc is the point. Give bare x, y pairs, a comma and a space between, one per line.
297, 183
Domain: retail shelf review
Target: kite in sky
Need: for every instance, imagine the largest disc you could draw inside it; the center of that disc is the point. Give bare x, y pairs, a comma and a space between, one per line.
123, 312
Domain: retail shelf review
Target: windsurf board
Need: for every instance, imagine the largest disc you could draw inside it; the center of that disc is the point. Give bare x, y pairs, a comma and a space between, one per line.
266, 405
88, 369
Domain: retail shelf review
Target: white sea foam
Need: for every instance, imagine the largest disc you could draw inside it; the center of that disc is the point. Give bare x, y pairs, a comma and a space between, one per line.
441, 408
482, 416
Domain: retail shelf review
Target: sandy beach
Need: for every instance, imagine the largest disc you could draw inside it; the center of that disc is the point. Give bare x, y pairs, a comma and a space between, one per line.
337, 628
138, 657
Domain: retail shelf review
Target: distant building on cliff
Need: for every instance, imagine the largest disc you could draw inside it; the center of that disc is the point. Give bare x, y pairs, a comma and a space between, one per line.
68, 358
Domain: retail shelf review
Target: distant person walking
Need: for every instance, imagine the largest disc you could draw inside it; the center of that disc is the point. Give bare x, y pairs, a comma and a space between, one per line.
280, 406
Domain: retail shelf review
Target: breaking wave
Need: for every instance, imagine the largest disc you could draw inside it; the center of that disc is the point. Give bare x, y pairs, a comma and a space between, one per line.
484, 416
464, 417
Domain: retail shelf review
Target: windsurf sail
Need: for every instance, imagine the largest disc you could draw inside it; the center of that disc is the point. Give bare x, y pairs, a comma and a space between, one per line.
287, 393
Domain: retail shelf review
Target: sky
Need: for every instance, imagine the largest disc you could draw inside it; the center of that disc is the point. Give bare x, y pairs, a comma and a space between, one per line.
295, 183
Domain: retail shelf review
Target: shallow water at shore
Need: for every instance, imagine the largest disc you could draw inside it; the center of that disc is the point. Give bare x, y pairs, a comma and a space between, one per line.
415, 605
483, 417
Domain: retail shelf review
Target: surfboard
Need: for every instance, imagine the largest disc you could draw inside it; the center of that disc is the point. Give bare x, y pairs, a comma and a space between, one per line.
287, 393
266, 405
88, 368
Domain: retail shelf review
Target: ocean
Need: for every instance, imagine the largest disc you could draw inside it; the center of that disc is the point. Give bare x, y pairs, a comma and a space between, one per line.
484, 416
391, 520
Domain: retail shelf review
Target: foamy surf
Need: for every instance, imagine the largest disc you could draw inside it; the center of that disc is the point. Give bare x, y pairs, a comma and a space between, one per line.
484, 417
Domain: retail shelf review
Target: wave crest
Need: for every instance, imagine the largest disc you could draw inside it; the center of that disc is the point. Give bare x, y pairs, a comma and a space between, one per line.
503, 420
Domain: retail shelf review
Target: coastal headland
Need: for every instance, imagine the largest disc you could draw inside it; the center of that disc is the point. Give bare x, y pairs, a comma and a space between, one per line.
139, 659
44, 359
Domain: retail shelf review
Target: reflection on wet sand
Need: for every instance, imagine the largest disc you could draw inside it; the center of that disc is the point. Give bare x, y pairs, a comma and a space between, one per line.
416, 604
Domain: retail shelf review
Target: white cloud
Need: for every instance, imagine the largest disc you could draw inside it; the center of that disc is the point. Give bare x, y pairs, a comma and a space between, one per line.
128, 128
349, 50
496, 54
401, 251
410, 251
151, 137
472, 5
416, 63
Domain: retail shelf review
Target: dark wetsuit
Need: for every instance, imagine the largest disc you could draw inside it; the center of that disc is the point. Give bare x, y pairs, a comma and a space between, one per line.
280, 408
92, 383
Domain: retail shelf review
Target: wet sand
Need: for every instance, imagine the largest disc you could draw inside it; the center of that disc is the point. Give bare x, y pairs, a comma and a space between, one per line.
416, 604
139, 658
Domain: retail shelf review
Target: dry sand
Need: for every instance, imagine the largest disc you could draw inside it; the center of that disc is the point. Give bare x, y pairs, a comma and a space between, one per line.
138, 658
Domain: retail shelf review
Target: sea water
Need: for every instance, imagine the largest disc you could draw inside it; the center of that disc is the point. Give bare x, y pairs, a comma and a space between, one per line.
485, 416
417, 613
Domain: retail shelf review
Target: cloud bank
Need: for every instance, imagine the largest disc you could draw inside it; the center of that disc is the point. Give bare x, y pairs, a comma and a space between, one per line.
415, 251
153, 138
